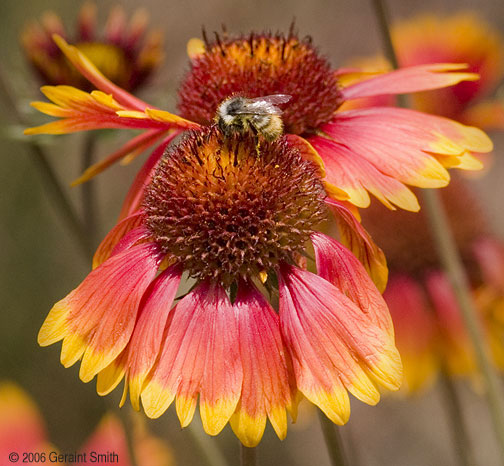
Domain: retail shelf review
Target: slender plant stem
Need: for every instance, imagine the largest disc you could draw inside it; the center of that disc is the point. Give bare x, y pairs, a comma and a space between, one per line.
333, 440
56, 192
49, 177
88, 189
452, 405
127, 417
210, 452
453, 266
248, 456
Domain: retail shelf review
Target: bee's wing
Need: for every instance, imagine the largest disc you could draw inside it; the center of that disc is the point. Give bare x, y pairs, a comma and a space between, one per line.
264, 105
275, 99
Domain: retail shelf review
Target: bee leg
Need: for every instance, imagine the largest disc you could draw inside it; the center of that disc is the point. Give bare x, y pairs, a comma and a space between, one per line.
256, 140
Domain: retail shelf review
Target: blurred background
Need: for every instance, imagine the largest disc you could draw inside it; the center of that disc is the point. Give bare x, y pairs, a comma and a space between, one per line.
41, 263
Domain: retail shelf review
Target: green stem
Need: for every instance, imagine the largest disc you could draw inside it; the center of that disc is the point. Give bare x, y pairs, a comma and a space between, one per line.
89, 205
333, 440
248, 456
454, 269
127, 418
49, 177
452, 264
210, 452
453, 407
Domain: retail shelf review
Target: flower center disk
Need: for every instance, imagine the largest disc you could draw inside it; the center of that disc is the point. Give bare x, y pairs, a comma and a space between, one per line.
261, 65
225, 211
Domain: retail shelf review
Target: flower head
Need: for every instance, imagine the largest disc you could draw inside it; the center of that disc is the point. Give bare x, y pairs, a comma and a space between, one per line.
374, 150
125, 54
238, 223
429, 329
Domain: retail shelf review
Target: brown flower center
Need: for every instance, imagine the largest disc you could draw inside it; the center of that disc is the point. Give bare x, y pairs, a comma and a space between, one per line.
225, 211
257, 66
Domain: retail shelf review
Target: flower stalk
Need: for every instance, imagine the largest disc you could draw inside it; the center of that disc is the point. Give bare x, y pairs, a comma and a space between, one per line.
451, 403
332, 440
50, 179
452, 264
88, 189
210, 453
248, 456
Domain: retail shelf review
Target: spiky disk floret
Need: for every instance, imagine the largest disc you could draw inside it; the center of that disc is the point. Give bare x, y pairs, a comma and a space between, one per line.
260, 65
226, 212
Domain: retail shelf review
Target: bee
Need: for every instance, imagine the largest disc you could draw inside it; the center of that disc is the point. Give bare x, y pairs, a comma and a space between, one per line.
259, 115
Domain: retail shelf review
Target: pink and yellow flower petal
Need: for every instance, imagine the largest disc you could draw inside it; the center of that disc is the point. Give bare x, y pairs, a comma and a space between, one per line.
143, 348
358, 240
409, 79
334, 345
339, 266
306, 150
266, 392
415, 332
114, 236
200, 356
462, 37
90, 72
87, 320
356, 176
379, 149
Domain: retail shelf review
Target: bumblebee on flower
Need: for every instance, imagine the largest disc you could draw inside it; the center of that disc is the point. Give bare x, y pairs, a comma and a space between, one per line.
378, 150
232, 221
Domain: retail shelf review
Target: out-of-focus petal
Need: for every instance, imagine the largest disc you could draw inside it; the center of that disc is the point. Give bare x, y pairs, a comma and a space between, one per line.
415, 332
109, 437
21, 425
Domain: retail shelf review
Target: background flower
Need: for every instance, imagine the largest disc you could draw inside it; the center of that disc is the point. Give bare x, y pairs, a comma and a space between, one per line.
22, 430
429, 328
125, 53
462, 37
